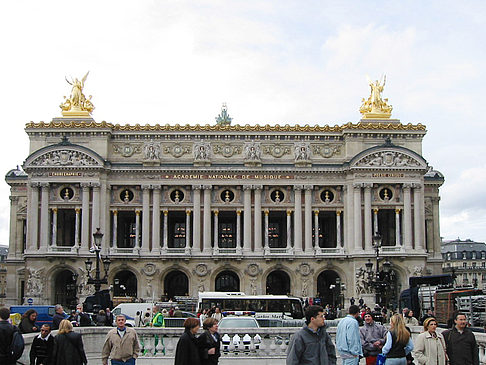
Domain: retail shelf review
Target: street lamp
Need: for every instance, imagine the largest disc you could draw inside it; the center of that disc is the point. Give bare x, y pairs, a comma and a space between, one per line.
96, 248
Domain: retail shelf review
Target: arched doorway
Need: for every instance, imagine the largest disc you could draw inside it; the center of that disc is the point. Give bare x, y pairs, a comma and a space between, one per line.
176, 283
125, 284
329, 288
65, 289
278, 282
227, 281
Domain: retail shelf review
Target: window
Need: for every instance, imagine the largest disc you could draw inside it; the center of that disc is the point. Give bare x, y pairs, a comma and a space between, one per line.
474, 255
464, 255
483, 255
464, 265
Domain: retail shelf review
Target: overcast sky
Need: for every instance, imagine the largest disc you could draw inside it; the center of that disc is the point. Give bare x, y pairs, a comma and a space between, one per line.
295, 62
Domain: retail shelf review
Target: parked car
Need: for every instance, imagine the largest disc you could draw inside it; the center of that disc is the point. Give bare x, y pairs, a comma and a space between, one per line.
238, 322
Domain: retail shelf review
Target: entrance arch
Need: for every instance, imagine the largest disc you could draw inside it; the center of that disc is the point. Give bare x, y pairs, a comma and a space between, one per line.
278, 282
65, 289
176, 283
125, 284
227, 281
329, 288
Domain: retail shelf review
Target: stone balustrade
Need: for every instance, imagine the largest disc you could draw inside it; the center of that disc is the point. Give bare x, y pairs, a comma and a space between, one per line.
246, 346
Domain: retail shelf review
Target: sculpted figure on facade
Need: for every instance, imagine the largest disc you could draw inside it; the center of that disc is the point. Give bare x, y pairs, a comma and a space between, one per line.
77, 102
362, 283
34, 283
388, 159
253, 153
64, 158
151, 151
202, 151
302, 152
375, 106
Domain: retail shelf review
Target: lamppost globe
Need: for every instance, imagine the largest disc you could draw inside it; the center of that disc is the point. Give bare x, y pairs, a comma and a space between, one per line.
89, 265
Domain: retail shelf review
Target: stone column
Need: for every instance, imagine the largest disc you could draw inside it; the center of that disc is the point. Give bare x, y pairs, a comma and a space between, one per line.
289, 229
165, 244
85, 241
196, 221
54, 227
238, 231
77, 227
16, 231
216, 228
207, 220
188, 231
95, 222
316, 229
33, 217
298, 219
338, 229
368, 225
145, 218
247, 218
156, 220
436, 227
418, 217
348, 219
257, 217
375, 221
137, 229
44, 218
398, 233
407, 217
308, 219
357, 217
266, 229
115, 228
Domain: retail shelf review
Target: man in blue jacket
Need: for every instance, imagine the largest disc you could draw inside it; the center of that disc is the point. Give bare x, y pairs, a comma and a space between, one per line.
348, 341
312, 345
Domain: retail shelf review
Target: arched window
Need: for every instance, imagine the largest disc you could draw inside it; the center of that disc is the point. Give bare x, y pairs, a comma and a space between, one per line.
227, 281
278, 282
125, 284
176, 283
65, 289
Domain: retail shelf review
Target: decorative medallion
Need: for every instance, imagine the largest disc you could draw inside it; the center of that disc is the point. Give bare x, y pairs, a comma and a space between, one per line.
177, 150
128, 149
327, 150
276, 150
253, 270
227, 150
150, 269
201, 270
304, 269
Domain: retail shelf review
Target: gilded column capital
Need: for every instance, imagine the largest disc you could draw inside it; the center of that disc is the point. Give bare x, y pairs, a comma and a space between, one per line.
137, 212
375, 210
115, 212
398, 210
338, 212
216, 212
188, 212
238, 212
266, 211
166, 212
54, 210
316, 212
289, 212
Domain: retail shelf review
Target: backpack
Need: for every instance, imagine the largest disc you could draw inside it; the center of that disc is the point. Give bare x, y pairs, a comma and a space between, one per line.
16, 346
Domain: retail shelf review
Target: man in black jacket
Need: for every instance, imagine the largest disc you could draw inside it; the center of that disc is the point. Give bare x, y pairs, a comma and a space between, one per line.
42, 349
462, 348
58, 317
6, 336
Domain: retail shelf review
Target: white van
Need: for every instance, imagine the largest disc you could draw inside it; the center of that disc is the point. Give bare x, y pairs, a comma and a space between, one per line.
130, 311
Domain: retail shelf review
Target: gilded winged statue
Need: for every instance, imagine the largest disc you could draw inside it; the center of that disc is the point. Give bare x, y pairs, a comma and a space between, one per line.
77, 103
375, 106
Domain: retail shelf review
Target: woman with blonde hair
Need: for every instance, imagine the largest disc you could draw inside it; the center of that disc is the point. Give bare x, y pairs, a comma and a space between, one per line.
430, 348
398, 342
69, 346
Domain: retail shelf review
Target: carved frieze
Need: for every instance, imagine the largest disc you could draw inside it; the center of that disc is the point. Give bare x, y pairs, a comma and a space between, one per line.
127, 149
327, 150
276, 150
227, 150
388, 159
177, 149
65, 158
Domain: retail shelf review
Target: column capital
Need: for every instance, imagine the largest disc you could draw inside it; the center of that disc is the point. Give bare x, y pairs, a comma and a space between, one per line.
368, 186
216, 212
238, 212
77, 210
95, 185
156, 187
375, 210
44, 185
357, 186
54, 210
196, 187
266, 211
398, 210
14, 199
247, 187
308, 187
84, 185
338, 212
137, 212
34, 184
407, 186
258, 187
298, 187
115, 212
146, 187
316, 212
166, 212
207, 187
188, 212
289, 212
417, 186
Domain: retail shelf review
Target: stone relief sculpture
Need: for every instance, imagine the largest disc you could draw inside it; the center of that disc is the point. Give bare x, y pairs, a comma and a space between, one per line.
388, 159
253, 151
35, 286
362, 283
202, 151
151, 151
253, 287
302, 153
305, 284
64, 158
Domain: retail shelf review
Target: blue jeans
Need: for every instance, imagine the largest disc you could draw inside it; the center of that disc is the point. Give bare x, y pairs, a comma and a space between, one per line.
396, 361
351, 361
128, 362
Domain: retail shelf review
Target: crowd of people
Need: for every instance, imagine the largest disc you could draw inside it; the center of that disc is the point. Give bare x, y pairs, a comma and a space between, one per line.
378, 345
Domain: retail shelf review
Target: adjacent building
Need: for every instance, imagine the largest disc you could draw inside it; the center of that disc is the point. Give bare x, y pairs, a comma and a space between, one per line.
467, 260
189, 208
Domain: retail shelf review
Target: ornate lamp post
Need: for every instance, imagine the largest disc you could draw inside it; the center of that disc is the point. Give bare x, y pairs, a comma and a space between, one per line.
380, 280
97, 280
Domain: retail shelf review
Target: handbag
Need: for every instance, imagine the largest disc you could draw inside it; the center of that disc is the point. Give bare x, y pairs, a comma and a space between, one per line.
380, 359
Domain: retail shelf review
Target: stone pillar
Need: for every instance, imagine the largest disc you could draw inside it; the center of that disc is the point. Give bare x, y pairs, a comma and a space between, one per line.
165, 244
257, 217
115, 228
156, 219
238, 229
33, 217
298, 219
196, 221
137, 229
407, 217
316, 229
308, 219
16, 229
436, 227
368, 225
85, 241
375, 221
54, 227
289, 229
418, 217
145, 218
207, 219
44, 218
247, 218
77, 227
398, 233
266, 247
216, 228
357, 217
95, 222
338, 229
188, 231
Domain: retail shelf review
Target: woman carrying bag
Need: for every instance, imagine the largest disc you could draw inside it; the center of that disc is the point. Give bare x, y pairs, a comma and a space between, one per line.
430, 345
209, 342
398, 342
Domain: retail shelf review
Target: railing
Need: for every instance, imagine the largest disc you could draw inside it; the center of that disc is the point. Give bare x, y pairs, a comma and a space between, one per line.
320, 251
241, 346
62, 249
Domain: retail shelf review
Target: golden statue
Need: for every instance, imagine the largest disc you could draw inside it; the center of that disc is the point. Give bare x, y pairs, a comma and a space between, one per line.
376, 107
77, 105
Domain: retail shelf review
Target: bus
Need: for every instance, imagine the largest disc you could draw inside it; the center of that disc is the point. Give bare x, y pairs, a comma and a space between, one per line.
260, 306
